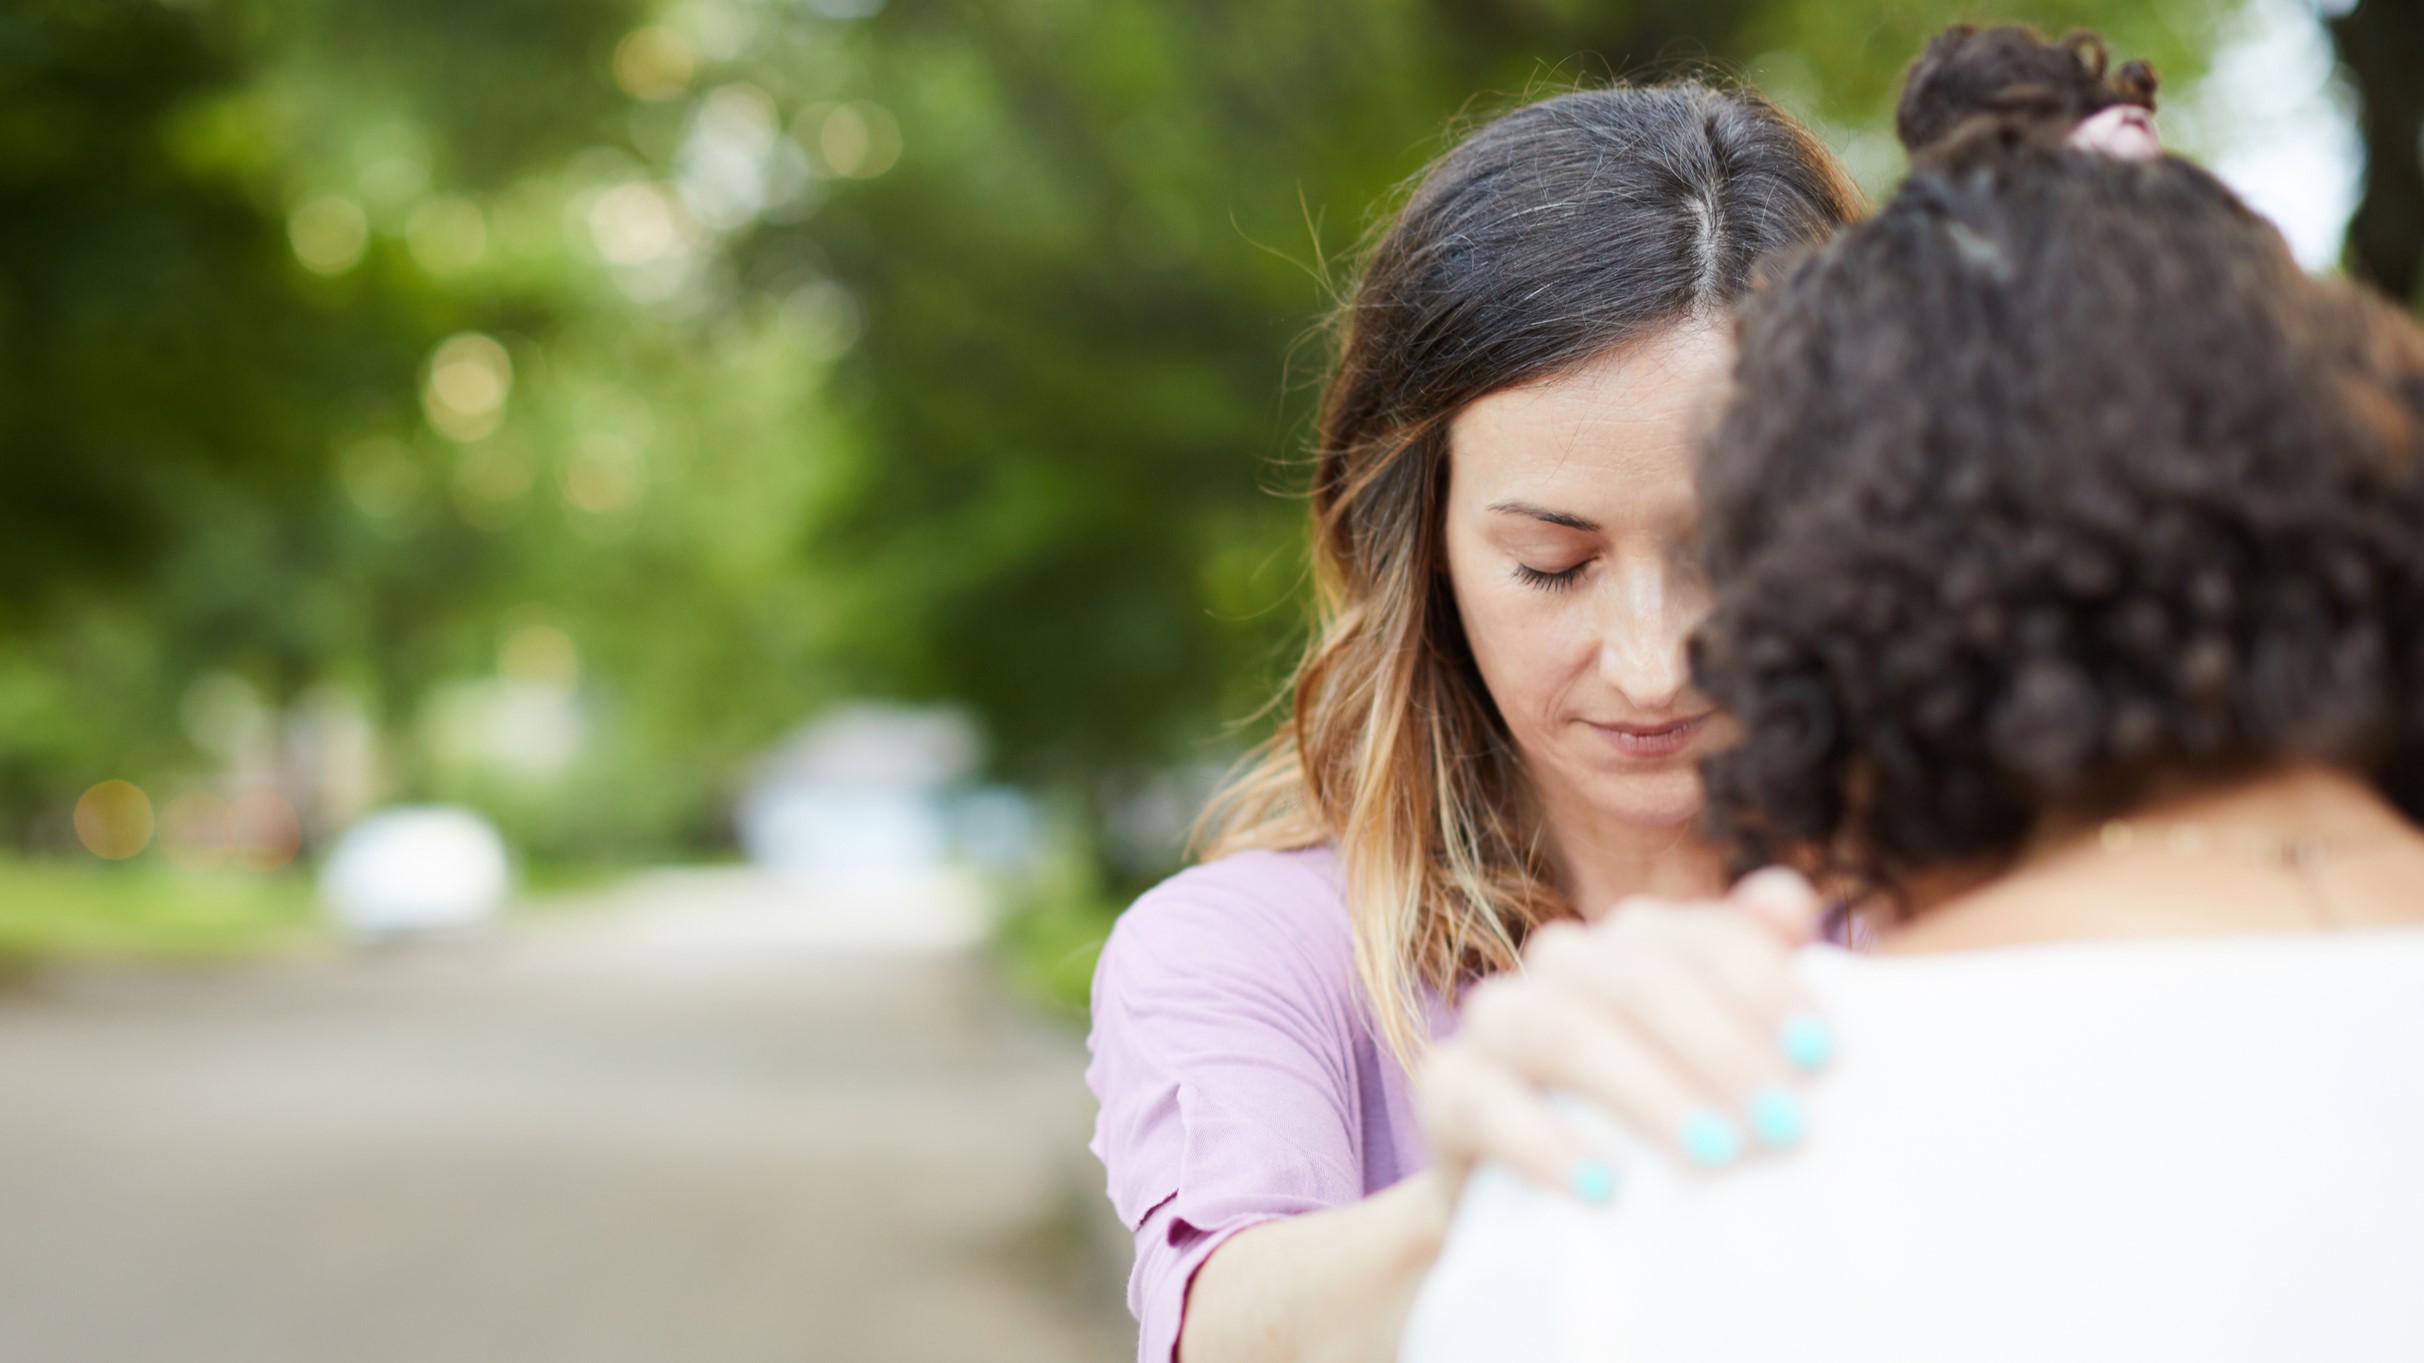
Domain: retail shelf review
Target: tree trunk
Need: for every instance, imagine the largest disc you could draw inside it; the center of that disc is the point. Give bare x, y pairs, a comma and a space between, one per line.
2381, 47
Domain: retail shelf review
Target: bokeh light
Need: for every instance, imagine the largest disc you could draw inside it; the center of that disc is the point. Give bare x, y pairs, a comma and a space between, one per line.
654, 63
492, 481
447, 235
264, 831
114, 820
635, 224
329, 234
194, 831
602, 475
224, 716
204, 828
394, 179
382, 477
540, 654
470, 376
740, 114
823, 319
859, 140
724, 162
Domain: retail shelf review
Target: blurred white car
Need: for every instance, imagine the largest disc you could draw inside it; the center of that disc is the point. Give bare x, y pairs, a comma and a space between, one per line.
873, 792
417, 868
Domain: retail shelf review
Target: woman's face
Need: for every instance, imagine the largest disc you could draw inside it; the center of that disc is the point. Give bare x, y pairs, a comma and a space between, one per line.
1568, 528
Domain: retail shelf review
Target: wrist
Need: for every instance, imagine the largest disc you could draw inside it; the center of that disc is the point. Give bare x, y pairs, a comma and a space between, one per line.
1426, 1206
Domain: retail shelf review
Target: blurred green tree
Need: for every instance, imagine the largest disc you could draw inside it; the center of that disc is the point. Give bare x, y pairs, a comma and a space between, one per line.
2381, 47
1089, 284
708, 360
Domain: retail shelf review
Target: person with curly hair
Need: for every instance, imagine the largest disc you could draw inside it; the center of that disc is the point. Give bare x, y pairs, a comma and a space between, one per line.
2067, 550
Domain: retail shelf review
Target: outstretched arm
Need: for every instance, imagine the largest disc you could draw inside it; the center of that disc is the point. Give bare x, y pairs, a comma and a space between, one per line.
1326, 1287
1681, 1018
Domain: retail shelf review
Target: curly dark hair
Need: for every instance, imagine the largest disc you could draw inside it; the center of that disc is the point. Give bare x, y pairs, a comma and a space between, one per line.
2054, 483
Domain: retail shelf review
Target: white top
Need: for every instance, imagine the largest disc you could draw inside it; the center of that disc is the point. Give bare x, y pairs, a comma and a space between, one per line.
2201, 1151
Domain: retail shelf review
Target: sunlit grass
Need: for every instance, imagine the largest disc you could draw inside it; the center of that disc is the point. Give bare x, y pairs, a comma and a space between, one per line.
56, 909
59, 909
554, 884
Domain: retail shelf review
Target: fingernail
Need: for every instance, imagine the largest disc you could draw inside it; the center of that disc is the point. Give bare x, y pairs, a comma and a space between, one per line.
1712, 1140
1778, 1117
1807, 1042
1592, 1180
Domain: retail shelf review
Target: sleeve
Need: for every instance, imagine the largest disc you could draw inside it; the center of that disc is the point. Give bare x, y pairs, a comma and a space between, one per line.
1223, 1063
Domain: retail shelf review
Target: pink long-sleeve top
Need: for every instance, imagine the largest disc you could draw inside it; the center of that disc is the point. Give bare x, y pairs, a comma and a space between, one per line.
1239, 1076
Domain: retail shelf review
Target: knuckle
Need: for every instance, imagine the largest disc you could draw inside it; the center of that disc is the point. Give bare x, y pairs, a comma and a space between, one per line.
1632, 908
1470, 1110
1555, 945
1640, 920
1748, 963
1707, 923
1491, 1014
1455, 1102
1447, 1066
1731, 929
1445, 1076
1637, 966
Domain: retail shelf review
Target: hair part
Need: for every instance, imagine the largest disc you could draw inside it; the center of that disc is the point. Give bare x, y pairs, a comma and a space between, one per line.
1546, 238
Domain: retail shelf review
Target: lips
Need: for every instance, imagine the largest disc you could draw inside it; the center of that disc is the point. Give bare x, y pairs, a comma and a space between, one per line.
1651, 742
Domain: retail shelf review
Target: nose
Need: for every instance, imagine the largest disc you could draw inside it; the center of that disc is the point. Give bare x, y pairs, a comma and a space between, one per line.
1647, 611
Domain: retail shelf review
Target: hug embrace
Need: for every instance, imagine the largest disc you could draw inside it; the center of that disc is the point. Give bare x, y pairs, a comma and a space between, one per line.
1854, 791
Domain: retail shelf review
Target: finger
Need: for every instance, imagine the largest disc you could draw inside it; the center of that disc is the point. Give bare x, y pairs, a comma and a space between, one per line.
1791, 908
1556, 1038
1475, 1109
1782, 901
1744, 963
1696, 980
1714, 993
1706, 950
1727, 1044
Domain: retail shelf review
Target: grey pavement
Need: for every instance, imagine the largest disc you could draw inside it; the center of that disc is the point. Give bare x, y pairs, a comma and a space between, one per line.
702, 1122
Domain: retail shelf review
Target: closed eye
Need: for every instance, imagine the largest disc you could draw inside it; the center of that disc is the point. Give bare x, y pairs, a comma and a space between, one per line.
1550, 582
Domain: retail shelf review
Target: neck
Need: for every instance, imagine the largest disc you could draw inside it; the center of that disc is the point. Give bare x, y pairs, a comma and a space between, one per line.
2069, 881
1602, 861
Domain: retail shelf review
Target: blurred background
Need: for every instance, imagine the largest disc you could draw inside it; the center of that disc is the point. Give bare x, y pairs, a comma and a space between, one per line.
600, 602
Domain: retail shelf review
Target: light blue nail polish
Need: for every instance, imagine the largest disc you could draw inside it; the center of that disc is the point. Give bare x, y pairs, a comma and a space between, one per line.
1778, 1117
1807, 1041
1592, 1180
1711, 1139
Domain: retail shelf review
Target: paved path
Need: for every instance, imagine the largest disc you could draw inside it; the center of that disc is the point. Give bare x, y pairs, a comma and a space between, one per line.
705, 1124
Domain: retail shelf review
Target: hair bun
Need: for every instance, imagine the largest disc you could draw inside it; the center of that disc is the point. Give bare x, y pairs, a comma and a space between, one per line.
2009, 86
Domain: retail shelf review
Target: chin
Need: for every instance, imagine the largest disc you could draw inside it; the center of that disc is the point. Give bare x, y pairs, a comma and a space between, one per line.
1659, 799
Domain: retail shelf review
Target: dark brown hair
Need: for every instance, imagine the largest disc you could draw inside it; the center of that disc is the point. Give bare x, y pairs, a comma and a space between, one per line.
1546, 238
1998, 82
2054, 481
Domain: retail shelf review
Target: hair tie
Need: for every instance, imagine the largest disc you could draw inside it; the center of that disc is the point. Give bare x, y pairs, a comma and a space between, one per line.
2124, 132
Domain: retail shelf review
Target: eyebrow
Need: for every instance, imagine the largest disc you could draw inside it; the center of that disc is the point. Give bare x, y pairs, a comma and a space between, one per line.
1541, 513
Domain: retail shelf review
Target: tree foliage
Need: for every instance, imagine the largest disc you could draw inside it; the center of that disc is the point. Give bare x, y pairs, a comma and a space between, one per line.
960, 349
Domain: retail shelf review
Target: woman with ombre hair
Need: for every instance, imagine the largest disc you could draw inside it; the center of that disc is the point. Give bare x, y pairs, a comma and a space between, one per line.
1488, 760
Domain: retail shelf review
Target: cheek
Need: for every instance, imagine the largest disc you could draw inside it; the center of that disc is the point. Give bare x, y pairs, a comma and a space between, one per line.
1528, 644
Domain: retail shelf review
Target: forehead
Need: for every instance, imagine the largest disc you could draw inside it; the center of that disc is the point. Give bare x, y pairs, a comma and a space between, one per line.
1613, 426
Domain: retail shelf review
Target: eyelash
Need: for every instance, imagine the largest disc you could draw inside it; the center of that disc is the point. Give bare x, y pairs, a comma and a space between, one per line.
1550, 582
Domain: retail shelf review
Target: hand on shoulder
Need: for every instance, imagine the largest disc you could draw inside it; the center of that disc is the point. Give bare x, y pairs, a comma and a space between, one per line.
1681, 1019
